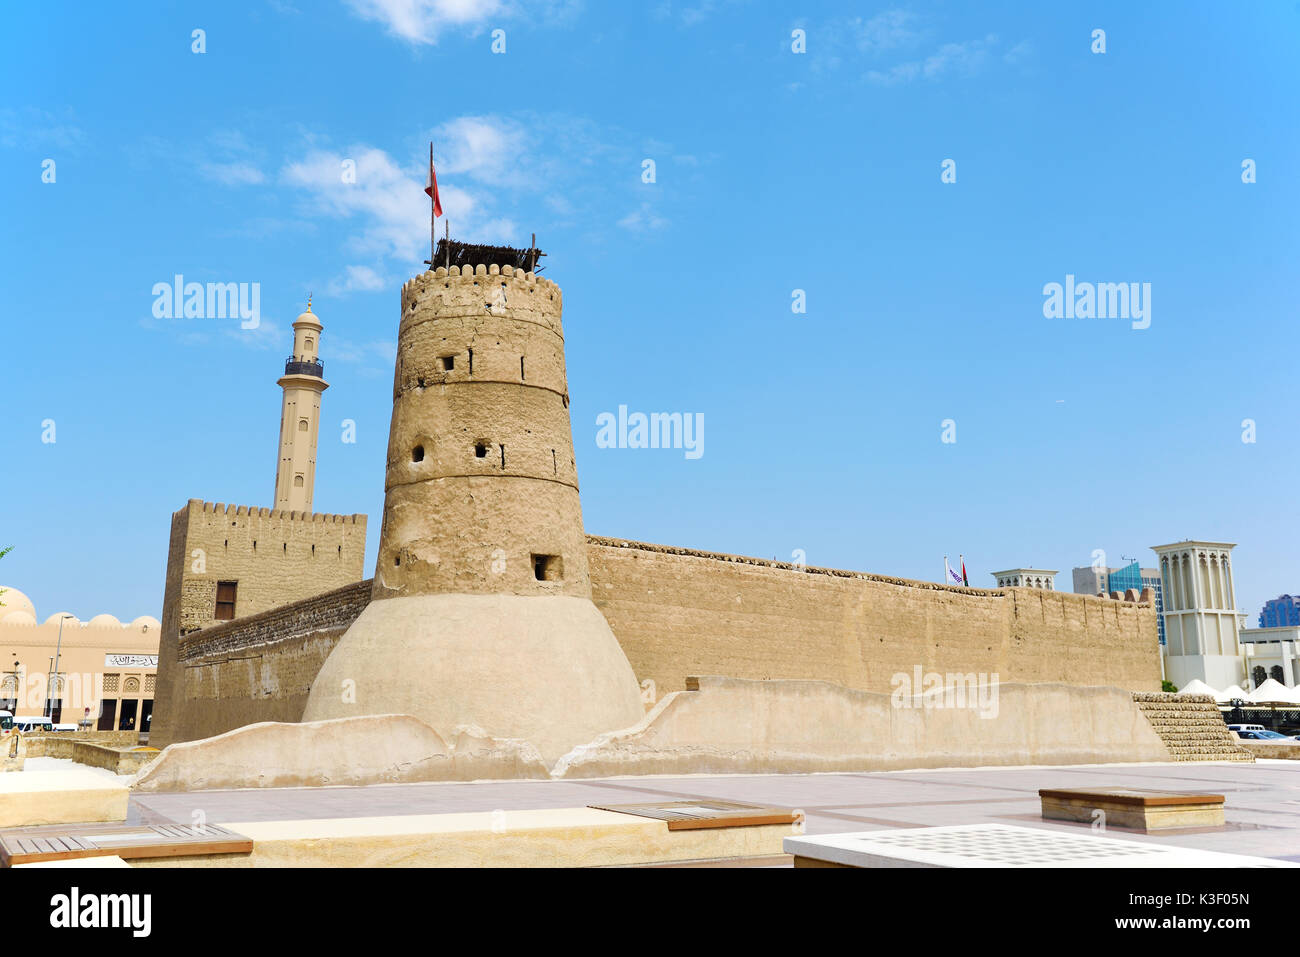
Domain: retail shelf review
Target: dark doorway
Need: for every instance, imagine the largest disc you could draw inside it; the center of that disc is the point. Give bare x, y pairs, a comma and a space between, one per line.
107, 714
127, 720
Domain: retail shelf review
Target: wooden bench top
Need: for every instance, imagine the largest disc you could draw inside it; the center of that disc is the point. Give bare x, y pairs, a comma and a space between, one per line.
1132, 797
27, 845
691, 815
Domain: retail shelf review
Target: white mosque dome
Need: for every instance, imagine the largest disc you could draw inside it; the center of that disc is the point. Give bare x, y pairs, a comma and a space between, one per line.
13, 602
54, 619
104, 621
146, 623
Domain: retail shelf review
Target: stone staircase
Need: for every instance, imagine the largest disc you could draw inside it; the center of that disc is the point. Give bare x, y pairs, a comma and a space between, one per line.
1191, 727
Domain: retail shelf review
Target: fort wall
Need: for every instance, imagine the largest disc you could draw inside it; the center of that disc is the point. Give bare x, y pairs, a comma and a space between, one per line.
678, 613
271, 557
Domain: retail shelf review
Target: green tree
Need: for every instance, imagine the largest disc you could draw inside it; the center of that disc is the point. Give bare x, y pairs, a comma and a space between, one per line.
1167, 685
3, 552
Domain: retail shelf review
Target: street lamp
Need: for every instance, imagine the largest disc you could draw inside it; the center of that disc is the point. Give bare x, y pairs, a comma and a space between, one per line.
57, 648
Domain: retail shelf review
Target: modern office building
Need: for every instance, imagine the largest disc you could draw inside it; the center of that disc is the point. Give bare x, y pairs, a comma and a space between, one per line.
1280, 612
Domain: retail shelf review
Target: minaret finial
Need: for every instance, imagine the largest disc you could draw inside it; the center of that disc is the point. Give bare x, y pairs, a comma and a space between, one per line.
309, 302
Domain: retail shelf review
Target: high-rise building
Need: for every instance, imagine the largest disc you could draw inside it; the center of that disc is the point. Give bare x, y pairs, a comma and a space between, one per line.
1280, 612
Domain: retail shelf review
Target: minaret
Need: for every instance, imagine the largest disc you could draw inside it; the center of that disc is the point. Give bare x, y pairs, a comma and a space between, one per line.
303, 383
482, 613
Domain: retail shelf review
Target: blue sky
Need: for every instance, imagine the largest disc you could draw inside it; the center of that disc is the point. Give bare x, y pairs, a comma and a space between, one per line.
774, 171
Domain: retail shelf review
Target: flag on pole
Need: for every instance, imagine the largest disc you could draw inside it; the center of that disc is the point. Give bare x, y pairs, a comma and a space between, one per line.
950, 576
431, 186
962, 558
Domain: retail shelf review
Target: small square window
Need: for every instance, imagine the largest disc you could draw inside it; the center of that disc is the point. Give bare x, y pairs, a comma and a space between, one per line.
448, 363
548, 568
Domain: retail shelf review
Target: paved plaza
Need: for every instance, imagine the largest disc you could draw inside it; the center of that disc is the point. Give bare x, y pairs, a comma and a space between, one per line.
1262, 800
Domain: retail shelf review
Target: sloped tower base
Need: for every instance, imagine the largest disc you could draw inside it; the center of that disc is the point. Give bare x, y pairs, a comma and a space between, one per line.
546, 669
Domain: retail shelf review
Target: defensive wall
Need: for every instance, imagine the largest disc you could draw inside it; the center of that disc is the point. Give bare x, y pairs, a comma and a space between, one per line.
267, 558
678, 612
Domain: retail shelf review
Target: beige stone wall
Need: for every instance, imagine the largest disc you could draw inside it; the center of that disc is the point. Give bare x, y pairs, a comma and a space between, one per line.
678, 613
259, 668
275, 557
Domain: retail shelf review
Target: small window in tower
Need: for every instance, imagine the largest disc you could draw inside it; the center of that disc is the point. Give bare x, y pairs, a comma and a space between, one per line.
420, 382
225, 610
297, 481
302, 425
307, 345
447, 363
548, 568
503, 456
471, 361
417, 454
521, 368
480, 450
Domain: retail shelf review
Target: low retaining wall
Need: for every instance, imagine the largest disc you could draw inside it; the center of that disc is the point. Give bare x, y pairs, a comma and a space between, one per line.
1267, 749
59, 744
727, 726
119, 760
375, 749
732, 726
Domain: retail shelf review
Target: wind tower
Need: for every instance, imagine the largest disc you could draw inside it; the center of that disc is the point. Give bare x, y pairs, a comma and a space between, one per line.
481, 613
303, 382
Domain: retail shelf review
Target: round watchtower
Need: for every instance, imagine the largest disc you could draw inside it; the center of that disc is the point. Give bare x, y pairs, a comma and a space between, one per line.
481, 494
481, 613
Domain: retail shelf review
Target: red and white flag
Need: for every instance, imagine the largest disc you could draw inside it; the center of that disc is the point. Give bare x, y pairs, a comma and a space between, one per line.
431, 189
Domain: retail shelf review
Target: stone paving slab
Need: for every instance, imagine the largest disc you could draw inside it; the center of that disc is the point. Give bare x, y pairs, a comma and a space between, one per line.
1262, 806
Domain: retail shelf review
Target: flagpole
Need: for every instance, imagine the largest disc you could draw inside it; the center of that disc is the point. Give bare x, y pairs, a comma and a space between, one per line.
433, 213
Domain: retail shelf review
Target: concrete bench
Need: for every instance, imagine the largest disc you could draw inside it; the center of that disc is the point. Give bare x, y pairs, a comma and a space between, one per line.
60, 797
1136, 808
552, 837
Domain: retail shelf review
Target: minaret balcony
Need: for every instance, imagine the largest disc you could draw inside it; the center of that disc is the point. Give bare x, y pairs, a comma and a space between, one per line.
294, 366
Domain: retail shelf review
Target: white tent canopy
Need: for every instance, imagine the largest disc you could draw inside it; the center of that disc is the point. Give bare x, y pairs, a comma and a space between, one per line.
1229, 693
1197, 686
1272, 690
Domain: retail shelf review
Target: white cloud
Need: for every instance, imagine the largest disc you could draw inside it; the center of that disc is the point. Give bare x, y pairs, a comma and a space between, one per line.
421, 21
389, 200
885, 31
484, 147
356, 279
643, 220
31, 128
962, 59
233, 174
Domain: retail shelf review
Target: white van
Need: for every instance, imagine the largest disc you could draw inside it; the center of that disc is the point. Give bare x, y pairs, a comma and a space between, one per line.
29, 723
1245, 727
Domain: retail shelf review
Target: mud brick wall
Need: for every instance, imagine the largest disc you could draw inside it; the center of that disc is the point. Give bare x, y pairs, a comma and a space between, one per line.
678, 612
